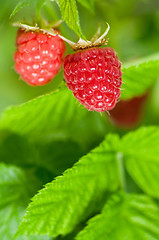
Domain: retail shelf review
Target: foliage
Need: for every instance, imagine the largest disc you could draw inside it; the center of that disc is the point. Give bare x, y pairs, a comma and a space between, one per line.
61, 165
126, 217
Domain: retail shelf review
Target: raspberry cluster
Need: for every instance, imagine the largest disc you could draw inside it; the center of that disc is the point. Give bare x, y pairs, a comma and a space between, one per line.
94, 77
92, 73
38, 57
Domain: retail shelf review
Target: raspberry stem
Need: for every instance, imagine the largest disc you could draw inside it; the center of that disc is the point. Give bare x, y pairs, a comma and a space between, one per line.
122, 176
81, 44
36, 28
57, 24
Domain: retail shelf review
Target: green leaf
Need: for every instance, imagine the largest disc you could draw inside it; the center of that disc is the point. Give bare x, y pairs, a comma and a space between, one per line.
141, 156
13, 199
21, 4
17, 150
70, 198
89, 4
70, 15
57, 161
15, 191
56, 116
39, 5
68, 10
34, 238
27, 3
124, 217
139, 76
53, 113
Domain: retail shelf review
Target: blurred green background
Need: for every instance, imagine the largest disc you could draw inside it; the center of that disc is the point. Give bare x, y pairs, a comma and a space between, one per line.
134, 33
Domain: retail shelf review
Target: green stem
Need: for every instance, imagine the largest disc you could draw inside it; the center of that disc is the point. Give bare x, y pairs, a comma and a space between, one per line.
38, 12
38, 17
121, 171
50, 11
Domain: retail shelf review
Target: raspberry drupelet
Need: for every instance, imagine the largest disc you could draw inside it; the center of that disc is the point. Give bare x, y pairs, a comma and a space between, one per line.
38, 57
94, 77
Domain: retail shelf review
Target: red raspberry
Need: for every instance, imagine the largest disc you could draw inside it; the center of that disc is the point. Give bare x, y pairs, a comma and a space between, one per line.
94, 76
38, 57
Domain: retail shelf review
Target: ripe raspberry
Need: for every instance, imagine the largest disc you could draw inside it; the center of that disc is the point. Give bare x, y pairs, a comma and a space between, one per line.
38, 57
128, 113
94, 76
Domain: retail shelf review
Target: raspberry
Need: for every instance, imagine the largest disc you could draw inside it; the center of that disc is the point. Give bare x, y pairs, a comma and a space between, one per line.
38, 57
94, 77
128, 113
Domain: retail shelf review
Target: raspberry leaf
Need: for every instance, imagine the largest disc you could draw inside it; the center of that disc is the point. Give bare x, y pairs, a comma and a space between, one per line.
13, 147
24, 3
72, 197
20, 4
68, 10
14, 197
139, 76
39, 5
124, 217
69, 14
46, 113
141, 157
20, 151
55, 115
87, 4
57, 161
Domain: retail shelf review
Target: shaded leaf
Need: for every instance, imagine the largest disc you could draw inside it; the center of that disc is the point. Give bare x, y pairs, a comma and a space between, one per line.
14, 197
70, 198
141, 156
58, 155
17, 150
124, 217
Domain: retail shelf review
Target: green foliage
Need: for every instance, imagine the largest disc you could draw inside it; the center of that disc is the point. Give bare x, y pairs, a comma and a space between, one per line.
89, 181
36, 122
74, 196
124, 217
58, 155
46, 136
139, 76
20, 5
87, 4
14, 197
63, 118
31, 119
23, 3
69, 14
68, 10
15, 149
141, 156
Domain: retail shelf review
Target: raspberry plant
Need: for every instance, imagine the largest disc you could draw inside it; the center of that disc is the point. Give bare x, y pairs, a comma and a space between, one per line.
66, 172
